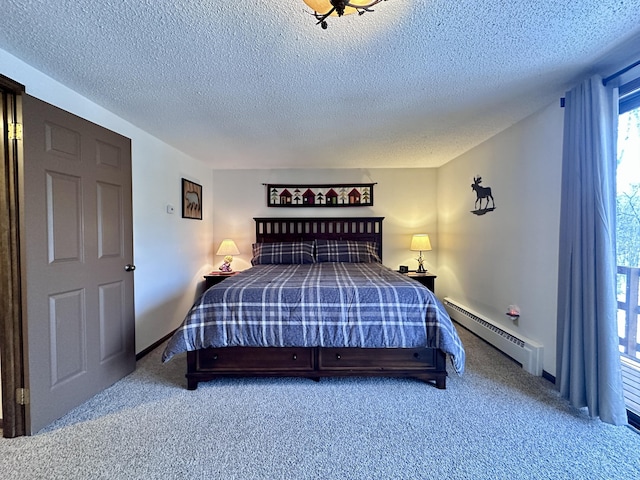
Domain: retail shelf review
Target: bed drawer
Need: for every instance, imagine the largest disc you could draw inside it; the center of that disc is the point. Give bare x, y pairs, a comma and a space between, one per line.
231, 359
384, 359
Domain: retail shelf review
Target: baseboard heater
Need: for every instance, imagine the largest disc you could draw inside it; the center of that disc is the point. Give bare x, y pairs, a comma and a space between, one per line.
523, 350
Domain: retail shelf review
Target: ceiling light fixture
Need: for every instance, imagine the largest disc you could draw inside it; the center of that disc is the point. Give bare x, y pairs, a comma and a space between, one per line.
322, 9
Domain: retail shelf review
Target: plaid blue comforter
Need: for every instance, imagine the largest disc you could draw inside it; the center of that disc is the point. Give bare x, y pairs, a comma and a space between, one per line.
322, 304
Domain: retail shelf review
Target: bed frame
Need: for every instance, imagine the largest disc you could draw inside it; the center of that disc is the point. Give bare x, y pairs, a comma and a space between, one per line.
427, 364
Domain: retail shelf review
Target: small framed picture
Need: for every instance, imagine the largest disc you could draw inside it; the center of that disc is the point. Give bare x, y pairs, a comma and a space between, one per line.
191, 200
403, 269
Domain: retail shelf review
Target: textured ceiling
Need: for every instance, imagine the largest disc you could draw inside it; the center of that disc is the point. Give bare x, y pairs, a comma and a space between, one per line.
256, 84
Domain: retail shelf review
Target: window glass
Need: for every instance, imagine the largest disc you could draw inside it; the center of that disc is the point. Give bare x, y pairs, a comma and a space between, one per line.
628, 220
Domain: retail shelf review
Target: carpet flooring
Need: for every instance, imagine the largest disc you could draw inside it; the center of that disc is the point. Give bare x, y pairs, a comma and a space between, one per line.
494, 422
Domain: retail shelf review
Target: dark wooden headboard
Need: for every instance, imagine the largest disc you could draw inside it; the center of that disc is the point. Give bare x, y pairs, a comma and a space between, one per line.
328, 228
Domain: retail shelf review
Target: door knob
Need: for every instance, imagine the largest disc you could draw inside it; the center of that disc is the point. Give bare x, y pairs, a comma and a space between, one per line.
129, 268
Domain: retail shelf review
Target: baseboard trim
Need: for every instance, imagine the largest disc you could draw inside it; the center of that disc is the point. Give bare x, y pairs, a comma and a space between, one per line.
547, 376
153, 346
634, 421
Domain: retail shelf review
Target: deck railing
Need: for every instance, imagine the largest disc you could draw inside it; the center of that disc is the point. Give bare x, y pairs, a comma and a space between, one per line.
628, 310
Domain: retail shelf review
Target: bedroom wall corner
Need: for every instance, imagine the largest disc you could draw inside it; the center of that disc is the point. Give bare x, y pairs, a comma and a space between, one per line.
509, 255
405, 197
172, 254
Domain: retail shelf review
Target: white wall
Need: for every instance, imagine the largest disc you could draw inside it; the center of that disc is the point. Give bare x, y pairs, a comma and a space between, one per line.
170, 253
510, 255
488, 262
405, 197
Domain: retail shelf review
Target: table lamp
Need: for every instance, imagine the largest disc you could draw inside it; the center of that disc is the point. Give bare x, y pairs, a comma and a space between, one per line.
227, 248
420, 243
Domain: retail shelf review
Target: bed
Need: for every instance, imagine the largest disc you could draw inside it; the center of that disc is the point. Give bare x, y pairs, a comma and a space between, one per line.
317, 302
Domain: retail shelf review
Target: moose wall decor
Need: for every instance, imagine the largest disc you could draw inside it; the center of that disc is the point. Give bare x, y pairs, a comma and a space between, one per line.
482, 193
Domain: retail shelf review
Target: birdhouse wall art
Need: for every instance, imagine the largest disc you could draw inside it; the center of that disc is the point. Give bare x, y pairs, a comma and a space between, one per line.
332, 195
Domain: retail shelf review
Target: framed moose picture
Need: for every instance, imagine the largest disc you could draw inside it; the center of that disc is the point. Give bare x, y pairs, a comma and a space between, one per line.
191, 200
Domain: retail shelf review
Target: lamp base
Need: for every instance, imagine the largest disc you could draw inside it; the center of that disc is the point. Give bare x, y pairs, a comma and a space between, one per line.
421, 269
225, 268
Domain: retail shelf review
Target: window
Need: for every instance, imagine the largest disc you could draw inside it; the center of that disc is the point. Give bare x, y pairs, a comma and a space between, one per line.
628, 240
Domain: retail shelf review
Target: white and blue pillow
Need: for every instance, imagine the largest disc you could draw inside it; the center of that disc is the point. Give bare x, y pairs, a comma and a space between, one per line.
282, 253
348, 251
317, 251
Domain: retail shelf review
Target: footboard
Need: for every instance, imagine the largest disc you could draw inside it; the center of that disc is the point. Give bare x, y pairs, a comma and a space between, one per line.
426, 364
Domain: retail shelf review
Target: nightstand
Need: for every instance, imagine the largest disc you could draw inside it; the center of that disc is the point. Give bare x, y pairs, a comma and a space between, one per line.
427, 279
215, 278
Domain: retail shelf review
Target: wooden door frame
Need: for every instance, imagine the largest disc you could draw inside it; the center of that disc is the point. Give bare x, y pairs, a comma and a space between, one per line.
11, 327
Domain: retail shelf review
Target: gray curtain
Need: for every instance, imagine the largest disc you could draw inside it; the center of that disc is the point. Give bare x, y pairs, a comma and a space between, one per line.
588, 362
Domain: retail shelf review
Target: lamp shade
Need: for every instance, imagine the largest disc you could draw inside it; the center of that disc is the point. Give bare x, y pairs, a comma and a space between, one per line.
323, 6
228, 247
420, 242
